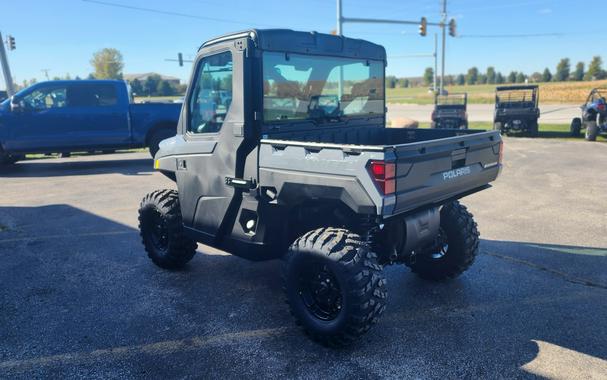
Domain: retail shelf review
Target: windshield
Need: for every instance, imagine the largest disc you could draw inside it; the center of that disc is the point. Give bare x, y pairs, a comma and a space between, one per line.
299, 87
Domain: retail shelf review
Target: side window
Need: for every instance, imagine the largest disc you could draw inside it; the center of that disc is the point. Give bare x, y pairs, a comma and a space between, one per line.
92, 95
46, 98
212, 95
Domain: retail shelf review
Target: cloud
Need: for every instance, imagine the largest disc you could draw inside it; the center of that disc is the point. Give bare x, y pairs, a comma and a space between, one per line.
545, 11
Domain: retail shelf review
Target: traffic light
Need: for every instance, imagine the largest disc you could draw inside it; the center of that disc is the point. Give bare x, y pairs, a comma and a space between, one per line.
452, 28
180, 59
423, 27
11, 43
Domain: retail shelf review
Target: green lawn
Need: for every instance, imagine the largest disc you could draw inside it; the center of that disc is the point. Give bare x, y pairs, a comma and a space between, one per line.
547, 131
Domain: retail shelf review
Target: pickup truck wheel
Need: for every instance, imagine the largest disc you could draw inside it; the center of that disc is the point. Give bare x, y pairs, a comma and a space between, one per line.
334, 286
156, 138
576, 127
161, 230
454, 249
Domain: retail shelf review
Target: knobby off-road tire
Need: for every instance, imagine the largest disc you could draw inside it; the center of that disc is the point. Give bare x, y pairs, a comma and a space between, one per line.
334, 286
592, 130
454, 250
161, 230
576, 127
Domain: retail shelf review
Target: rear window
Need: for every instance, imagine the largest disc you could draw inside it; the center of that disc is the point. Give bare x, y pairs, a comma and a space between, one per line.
92, 95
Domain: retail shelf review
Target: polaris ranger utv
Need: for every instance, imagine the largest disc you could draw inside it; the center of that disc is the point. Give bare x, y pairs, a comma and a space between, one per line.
594, 115
516, 109
450, 111
300, 166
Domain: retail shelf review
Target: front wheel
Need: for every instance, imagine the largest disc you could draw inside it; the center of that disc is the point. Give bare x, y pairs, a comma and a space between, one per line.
161, 230
592, 130
454, 249
334, 286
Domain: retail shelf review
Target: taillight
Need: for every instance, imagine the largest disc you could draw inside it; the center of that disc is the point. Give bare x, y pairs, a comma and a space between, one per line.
601, 107
384, 173
501, 154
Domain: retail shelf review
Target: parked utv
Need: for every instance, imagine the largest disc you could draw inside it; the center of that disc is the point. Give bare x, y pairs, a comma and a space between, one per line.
516, 109
594, 115
450, 111
299, 165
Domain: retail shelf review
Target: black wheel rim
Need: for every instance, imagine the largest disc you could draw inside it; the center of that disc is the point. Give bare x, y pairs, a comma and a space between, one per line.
156, 231
441, 246
320, 292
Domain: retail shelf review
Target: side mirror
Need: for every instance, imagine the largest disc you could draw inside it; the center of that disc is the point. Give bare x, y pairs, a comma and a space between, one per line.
17, 105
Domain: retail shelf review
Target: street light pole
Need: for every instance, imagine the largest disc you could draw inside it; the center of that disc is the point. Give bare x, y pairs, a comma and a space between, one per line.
6, 70
435, 61
444, 28
339, 18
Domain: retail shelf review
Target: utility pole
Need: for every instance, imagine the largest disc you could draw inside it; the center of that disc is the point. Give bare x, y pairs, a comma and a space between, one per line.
6, 70
443, 25
435, 60
45, 71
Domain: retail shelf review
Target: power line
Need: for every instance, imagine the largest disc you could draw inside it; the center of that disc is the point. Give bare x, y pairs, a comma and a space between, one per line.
171, 13
527, 35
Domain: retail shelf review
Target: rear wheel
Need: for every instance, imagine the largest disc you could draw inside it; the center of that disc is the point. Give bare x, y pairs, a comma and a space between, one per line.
334, 286
592, 130
576, 127
161, 230
454, 250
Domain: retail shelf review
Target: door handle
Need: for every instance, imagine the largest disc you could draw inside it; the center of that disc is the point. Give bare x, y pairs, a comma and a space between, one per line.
241, 183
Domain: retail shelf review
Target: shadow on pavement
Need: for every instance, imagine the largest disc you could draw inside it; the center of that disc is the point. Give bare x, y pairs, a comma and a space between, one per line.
79, 284
74, 166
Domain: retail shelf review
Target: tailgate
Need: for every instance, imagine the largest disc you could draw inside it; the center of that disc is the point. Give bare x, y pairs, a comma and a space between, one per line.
431, 172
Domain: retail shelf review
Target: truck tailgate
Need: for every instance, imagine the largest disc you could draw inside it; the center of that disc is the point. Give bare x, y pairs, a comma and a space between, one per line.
430, 172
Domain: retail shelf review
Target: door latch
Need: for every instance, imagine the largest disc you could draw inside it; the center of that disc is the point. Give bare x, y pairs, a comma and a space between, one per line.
241, 183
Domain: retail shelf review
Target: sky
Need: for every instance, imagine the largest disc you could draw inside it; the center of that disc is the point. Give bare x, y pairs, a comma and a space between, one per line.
521, 35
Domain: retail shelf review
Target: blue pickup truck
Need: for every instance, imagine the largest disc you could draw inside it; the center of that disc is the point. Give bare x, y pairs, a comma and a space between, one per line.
81, 115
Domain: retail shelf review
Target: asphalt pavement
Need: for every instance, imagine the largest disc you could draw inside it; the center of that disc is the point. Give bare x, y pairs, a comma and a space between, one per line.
79, 298
549, 113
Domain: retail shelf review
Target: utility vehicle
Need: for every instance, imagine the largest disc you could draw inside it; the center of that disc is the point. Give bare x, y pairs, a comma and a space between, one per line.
516, 109
450, 111
594, 115
300, 166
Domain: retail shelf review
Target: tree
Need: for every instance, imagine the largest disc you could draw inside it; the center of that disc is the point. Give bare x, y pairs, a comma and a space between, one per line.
563, 70
578, 74
512, 77
164, 88
546, 75
107, 64
491, 76
472, 76
499, 78
536, 77
460, 80
137, 87
428, 76
482, 79
91, 76
520, 78
391, 81
595, 69
151, 84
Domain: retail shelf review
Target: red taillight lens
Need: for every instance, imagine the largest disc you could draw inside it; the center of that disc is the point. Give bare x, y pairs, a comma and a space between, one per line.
601, 107
383, 174
501, 154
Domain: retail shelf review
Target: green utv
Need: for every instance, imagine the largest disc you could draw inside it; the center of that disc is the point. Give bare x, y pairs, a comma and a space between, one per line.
282, 151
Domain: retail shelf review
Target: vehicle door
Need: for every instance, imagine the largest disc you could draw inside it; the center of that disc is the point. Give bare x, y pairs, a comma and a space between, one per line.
41, 121
98, 117
212, 173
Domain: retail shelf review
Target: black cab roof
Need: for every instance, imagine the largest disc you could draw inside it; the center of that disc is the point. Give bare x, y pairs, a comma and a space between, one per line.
288, 40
